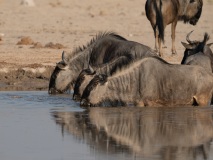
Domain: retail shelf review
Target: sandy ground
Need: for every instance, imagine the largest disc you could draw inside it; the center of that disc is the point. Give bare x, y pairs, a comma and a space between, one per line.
72, 23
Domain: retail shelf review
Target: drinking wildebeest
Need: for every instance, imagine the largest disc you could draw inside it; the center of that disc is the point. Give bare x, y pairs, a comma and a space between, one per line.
66, 71
198, 53
101, 49
161, 13
152, 82
109, 68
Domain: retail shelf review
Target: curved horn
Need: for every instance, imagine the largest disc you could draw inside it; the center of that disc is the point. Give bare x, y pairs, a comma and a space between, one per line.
187, 37
64, 57
91, 69
209, 44
108, 70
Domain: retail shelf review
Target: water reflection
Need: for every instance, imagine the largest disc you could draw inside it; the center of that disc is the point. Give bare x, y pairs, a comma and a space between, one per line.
159, 133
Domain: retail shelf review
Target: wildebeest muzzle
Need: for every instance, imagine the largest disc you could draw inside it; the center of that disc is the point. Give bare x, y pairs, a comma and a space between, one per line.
85, 103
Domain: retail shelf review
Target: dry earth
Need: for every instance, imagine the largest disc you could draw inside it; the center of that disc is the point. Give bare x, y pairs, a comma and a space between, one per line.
52, 26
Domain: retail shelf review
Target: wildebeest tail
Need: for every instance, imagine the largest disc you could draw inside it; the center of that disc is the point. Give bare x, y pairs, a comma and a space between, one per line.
159, 18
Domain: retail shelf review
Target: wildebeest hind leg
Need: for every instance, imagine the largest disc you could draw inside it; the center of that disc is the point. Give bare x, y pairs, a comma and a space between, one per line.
158, 42
173, 26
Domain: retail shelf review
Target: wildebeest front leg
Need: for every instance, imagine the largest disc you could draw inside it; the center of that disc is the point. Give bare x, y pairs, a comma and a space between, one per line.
174, 24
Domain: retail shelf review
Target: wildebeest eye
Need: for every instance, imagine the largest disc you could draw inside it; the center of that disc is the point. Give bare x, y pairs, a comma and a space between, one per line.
82, 78
191, 1
102, 78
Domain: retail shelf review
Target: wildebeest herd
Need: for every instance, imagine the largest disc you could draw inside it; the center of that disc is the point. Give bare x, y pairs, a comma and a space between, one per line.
111, 70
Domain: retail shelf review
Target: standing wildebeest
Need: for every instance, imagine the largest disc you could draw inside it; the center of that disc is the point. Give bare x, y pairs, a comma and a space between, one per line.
152, 82
102, 49
161, 13
198, 53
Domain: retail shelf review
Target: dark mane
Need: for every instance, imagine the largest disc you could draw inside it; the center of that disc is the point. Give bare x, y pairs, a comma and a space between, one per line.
99, 36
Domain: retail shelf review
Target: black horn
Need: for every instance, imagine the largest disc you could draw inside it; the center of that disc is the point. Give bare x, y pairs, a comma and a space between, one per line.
187, 38
108, 70
91, 69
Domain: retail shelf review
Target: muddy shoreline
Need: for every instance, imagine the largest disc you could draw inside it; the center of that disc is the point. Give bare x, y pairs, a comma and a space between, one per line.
25, 79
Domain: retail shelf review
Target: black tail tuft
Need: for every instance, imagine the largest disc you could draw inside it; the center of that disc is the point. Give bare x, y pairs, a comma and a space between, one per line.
159, 20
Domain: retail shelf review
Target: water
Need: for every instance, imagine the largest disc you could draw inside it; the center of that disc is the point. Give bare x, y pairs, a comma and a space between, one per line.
38, 126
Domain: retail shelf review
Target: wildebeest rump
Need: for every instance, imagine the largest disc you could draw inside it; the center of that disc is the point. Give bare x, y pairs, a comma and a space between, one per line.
102, 49
198, 53
161, 13
152, 82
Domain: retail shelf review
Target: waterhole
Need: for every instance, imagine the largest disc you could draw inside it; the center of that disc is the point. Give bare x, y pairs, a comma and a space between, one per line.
35, 125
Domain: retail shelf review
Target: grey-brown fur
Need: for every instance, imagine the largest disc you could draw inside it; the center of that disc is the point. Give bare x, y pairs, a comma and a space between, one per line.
161, 13
153, 82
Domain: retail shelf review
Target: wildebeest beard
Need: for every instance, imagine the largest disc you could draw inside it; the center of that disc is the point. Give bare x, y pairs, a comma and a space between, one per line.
192, 20
52, 88
79, 81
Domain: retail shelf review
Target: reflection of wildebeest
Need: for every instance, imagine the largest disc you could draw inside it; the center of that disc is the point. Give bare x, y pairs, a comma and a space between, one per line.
160, 13
101, 49
152, 82
198, 53
166, 132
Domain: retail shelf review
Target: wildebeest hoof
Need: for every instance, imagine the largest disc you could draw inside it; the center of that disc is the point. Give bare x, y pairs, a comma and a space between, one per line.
52, 91
76, 98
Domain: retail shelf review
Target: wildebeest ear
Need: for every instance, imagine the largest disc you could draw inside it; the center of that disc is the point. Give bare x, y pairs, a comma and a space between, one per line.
91, 69
64, 57
62, 65
188, 46
209, 44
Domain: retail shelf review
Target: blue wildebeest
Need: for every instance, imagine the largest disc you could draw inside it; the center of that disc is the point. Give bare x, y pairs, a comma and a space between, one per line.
109, 68
66, 71
198, 53
161, 13
101, 49
152, 82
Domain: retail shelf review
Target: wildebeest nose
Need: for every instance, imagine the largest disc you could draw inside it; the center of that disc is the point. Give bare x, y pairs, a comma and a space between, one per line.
76, 97
52, 91
84, 103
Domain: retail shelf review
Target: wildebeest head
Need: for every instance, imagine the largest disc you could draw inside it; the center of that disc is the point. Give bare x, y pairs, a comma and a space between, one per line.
194, 47
83, 79
194, 11
60, 80
95, 91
